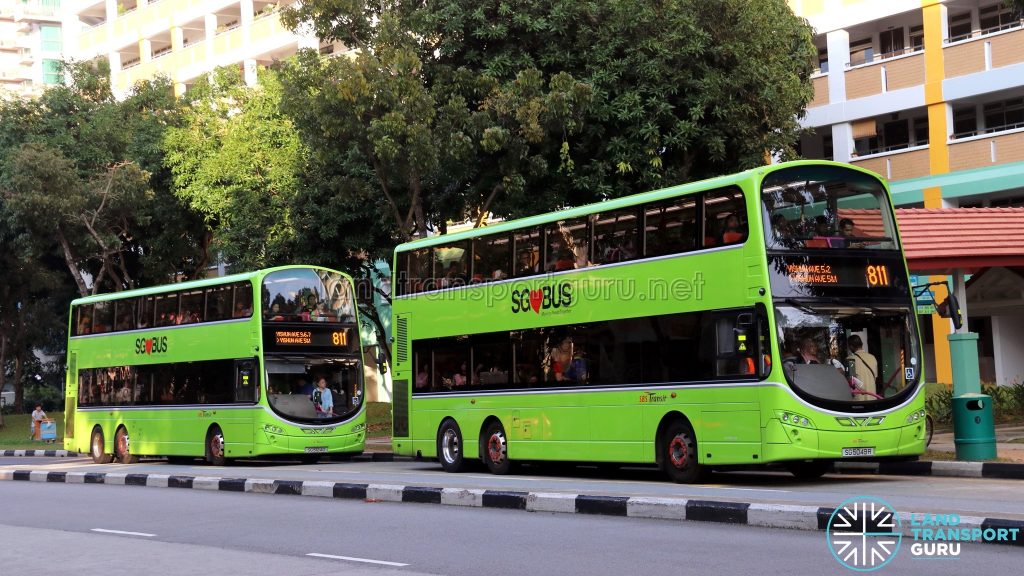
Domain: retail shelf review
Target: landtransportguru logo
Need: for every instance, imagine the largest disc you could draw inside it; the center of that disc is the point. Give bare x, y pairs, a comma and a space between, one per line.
865, 533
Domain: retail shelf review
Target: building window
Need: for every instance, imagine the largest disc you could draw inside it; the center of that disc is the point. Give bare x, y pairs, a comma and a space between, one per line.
51, 38
917, 38
920, 131
861, 52
959, 26
891, 42
823, 60
997, 17
1005, 115
51, 72
965, 121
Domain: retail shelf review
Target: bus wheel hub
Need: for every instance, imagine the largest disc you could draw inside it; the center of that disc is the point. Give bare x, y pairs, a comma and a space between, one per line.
677, 452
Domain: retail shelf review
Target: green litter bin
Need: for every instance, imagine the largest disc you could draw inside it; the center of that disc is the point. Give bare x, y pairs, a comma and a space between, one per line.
974, 432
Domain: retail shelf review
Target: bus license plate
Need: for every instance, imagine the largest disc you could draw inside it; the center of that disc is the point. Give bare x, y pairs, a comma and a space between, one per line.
847, 452
316, 449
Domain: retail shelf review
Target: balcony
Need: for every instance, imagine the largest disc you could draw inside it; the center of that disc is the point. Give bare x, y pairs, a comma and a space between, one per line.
820, 84
1001, 146
899, 164
36, 11
982, 52
903, 71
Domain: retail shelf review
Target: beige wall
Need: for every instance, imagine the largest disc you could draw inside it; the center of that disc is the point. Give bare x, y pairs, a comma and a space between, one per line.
964, 59
903, 165
861, 82
820, 92
904, 72
978, 153
1008, 49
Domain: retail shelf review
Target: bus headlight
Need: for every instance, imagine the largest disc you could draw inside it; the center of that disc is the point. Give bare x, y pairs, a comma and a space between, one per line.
917, 415
795, 420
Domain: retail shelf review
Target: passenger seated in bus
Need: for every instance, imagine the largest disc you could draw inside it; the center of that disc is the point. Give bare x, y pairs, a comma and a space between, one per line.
561, 358
731, 233
85, 325
241, 310
454, 276
525, 263
275, 314
807, 353
422, 378
846, 230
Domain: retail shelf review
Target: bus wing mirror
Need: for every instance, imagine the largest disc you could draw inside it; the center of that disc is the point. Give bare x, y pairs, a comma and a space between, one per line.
950, 308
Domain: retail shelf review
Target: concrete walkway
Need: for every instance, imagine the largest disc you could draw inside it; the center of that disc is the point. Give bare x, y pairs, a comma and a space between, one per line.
1005, 448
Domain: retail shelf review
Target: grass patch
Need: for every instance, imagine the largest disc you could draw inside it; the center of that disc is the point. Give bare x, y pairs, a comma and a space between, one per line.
14, 434
1016, 441
941, 455
378, 419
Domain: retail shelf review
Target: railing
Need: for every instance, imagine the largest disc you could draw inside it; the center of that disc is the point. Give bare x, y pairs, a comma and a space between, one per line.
865, 58
985, 31
161, 52
992, 130
894, 147
131, 63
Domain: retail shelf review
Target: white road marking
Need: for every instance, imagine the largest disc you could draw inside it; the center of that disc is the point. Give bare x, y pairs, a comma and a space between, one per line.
352, 559
122, 532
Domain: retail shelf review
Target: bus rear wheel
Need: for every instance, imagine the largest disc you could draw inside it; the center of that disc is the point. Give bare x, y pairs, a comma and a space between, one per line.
215, 453
449, 447
679, 454
98, 449
122, 447
494, 448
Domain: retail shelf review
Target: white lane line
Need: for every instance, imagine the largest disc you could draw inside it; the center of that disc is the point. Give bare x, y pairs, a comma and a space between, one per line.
747, 489
351, 559
122, 532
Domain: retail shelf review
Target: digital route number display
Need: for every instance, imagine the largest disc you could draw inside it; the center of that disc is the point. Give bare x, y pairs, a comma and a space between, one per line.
870, 276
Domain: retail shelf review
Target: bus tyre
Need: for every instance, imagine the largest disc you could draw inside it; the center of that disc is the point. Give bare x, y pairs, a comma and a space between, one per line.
679, 454
215, 447
449, 446
808, 469
98, 449
122, 447
494, 448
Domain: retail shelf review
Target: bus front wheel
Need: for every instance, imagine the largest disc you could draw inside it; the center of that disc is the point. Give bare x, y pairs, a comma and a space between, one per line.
449, 446
122, 447
98, 448
808, 469
215, 453
679, 454
494, 448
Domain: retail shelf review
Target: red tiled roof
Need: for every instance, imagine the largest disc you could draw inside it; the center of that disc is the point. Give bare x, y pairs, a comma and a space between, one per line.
941, 239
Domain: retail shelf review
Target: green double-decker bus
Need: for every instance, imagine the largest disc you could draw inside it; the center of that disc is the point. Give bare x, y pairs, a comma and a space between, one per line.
246, 365
763, 317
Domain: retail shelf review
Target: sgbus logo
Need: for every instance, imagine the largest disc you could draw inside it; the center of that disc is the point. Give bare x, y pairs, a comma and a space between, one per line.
551, 297
156, 345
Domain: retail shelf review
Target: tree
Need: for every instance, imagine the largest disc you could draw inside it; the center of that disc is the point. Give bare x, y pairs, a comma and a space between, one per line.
676, 91
84, 207
237, 161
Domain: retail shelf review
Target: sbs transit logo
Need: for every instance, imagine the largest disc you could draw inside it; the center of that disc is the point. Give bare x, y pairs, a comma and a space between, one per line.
148, 346
547, 299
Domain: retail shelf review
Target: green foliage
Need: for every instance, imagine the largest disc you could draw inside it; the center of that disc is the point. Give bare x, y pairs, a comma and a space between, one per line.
237, 161
939, 402
580, 100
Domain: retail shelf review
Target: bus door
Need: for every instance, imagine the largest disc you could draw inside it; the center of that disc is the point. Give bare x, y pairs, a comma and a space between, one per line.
247, 391
71, 398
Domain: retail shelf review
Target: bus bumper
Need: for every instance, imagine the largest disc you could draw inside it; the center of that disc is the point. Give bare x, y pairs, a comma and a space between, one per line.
269, 443
787, 442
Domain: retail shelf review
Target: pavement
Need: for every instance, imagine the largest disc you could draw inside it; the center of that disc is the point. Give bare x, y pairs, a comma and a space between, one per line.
1006, 449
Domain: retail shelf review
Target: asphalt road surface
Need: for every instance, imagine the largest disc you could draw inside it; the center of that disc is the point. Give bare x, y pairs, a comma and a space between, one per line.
102, 530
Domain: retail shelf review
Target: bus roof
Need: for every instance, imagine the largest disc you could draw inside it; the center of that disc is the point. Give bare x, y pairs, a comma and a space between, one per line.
625, 201
190, 284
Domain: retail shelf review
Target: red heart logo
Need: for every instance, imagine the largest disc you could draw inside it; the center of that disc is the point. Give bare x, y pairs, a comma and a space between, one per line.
149, 345
536, 297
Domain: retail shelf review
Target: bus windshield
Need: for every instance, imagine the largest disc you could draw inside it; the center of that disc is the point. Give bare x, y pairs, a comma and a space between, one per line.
846, 354
304, 295
826, 207
314, 389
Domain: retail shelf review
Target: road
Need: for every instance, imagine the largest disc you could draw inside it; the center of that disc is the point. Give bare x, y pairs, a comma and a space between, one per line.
967, 497
58, 529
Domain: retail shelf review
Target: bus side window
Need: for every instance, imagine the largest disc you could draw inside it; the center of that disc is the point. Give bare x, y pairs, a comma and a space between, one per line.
84, 324
669, 226
725, 218
103, 318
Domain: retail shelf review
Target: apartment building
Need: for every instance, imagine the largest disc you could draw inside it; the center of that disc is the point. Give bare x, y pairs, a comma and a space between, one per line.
32, 42
930, 94
184, 39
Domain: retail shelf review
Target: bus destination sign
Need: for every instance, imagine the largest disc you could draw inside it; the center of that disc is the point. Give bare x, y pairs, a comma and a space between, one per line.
297, 338
868, 276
